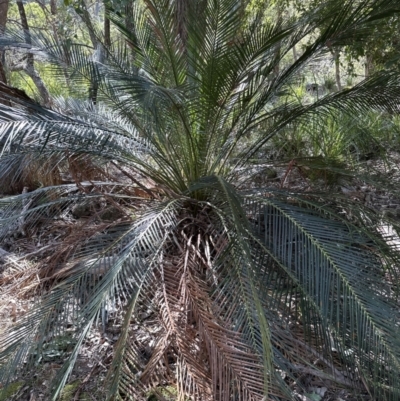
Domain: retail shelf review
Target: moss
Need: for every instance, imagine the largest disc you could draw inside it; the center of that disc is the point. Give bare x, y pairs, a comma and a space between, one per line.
69, 391
85, 397
170, 393
10, 390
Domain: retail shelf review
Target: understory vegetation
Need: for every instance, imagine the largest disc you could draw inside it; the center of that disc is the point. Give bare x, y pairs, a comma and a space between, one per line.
181, 209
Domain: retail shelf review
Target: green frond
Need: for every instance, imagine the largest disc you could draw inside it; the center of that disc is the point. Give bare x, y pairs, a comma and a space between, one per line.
342, 281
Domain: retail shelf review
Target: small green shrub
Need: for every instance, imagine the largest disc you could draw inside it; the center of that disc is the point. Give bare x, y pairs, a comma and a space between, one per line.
329, 83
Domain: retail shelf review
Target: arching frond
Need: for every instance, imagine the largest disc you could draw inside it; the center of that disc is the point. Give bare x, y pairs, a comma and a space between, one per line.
343, 285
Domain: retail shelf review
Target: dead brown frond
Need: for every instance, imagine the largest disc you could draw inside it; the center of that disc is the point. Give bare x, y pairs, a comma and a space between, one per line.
232, 362
11, 96
30, 171
195, 348
59, 257
58, 241
83, 168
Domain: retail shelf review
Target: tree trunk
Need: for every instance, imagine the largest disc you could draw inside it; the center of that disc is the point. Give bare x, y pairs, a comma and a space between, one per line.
3, 20
29, 67
129, 24
107, 29
3, 76
336, 56
14, 92
129, 16
369, 65
53, 7
3, 13
85, 16
98, 51
278, 48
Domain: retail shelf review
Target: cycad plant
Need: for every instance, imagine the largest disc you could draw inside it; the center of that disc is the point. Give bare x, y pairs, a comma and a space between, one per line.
248, 286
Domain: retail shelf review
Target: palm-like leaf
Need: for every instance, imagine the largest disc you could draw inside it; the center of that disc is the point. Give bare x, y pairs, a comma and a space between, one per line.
339, 292
247, 287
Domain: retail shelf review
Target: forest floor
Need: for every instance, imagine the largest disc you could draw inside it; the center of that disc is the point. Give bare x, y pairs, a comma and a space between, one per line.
23, 255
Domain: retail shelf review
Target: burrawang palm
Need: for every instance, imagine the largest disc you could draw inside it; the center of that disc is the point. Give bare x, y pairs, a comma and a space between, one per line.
248, 286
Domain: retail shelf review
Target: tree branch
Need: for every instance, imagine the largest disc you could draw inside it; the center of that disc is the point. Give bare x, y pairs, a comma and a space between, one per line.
29, 67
